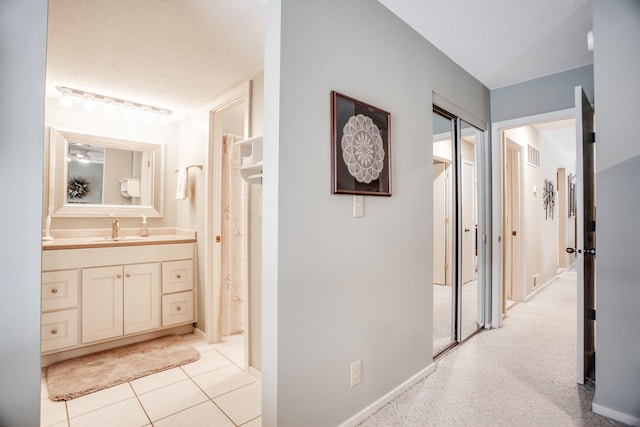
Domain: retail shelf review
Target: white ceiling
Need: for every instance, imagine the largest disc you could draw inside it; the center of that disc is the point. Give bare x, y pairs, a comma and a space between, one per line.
502, 42
181, 54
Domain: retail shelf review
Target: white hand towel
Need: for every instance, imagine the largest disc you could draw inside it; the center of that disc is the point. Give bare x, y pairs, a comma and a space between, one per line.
182, 192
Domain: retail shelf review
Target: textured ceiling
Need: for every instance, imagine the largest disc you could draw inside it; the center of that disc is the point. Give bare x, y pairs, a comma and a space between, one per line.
181, 54
175, 54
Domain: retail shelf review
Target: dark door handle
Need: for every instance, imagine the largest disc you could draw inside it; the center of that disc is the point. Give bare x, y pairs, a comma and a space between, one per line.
466, 230
573, 251
590, 251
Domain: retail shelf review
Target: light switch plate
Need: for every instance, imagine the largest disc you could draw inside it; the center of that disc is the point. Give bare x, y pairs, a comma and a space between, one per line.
358, 206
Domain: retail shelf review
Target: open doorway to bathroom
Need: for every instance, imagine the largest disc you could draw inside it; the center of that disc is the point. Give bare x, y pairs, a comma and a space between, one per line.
229, 232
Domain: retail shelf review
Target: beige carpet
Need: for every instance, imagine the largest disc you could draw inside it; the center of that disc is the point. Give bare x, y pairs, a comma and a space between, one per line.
85, 374
523, 374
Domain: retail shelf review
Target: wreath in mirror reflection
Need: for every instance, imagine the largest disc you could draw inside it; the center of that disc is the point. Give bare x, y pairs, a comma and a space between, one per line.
77, 187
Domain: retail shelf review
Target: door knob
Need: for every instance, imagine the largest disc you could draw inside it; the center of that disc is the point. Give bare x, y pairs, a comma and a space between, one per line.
573, 251
590, 251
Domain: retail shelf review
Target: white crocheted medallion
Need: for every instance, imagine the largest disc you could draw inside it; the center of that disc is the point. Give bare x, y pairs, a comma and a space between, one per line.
362, 148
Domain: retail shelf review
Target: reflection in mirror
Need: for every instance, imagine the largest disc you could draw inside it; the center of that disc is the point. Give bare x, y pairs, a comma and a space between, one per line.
95, 176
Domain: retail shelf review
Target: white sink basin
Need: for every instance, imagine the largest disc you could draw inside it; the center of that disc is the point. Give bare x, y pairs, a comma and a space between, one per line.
116, 239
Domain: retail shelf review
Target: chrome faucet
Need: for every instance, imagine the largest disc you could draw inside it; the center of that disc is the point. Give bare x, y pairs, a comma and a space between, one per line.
115, 228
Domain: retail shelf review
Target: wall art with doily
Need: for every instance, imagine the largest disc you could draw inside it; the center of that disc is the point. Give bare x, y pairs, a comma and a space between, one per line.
360, 147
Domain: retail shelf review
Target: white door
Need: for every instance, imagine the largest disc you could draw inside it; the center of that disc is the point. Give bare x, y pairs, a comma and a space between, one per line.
586, 237
101, 303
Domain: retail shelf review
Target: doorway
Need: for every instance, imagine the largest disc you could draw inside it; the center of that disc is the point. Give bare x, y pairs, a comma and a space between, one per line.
512, 214
226, 287
458, 252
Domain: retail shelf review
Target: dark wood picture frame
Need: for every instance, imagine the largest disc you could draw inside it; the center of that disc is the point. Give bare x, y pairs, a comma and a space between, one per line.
360, 147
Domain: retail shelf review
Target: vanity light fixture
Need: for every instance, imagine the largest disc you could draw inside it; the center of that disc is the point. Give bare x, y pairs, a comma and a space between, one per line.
66, 100
89, 104
130, 107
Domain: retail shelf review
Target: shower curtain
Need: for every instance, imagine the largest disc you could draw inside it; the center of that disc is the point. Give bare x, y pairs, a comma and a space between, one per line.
234, 241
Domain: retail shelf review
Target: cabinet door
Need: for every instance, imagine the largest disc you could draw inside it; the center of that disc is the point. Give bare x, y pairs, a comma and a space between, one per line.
141, 297
101, 303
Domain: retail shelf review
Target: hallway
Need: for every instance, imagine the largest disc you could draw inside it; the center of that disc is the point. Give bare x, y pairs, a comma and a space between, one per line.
521, 374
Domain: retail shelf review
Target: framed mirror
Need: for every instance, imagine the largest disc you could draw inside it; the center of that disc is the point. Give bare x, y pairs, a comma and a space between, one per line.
94, 175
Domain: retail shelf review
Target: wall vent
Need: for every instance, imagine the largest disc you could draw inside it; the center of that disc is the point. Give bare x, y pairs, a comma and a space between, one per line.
536, 277
533, 156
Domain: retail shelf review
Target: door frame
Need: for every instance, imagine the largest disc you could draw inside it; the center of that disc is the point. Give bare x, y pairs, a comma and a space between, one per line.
213, 206
509, 148
497, 203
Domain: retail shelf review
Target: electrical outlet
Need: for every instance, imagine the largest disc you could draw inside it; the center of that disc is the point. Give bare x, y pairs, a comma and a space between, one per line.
356, 373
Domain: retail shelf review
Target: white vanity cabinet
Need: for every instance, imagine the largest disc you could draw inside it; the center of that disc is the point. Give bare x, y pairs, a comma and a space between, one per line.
120, 300
177, 292
59, 321
101, 294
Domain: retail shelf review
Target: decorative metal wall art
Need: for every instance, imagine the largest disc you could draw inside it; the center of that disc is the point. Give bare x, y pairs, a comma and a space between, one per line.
571, 185
360, 147
549, 199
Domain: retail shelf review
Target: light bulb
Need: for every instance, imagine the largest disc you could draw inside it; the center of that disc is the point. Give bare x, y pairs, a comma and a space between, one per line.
66, 100
146, 115
89, 104
109, 107
129, 112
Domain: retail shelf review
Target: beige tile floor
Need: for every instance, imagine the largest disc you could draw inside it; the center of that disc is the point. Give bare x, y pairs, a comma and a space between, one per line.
213, 391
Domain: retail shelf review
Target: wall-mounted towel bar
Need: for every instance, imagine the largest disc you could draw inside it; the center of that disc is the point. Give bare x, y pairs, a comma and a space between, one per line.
199, 166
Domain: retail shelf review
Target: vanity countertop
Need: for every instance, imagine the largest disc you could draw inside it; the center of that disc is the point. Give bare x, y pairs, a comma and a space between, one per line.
78, 242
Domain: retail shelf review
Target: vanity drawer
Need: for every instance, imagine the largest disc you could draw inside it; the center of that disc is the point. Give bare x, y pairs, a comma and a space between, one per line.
177, 276
59, 330
177, 308
59, 289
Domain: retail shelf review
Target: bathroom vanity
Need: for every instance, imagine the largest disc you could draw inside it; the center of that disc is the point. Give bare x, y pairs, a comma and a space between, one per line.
99, 293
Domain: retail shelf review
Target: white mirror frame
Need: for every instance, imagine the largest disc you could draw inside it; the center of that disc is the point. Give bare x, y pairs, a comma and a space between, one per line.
58, 146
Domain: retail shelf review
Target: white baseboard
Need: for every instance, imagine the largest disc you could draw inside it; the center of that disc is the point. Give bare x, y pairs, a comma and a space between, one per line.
369, 410
199, 333
540, 288
616, 415
255, 373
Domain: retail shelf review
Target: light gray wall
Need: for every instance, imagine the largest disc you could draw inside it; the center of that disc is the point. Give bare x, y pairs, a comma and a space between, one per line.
543, 95
338, 289
22, 75
255, 234
616, 70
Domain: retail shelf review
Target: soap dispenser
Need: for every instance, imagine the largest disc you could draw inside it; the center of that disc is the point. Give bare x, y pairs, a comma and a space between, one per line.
145, 230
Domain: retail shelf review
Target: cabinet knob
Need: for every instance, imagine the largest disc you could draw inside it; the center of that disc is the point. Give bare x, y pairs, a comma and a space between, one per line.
128, 274
179, 276
178, 308
54, 331
54, 290
119, 276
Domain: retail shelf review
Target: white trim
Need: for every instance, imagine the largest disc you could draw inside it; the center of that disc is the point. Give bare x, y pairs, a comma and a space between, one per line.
616, 415
213, 226
537, 290
255, 373
496, 201
371, 409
